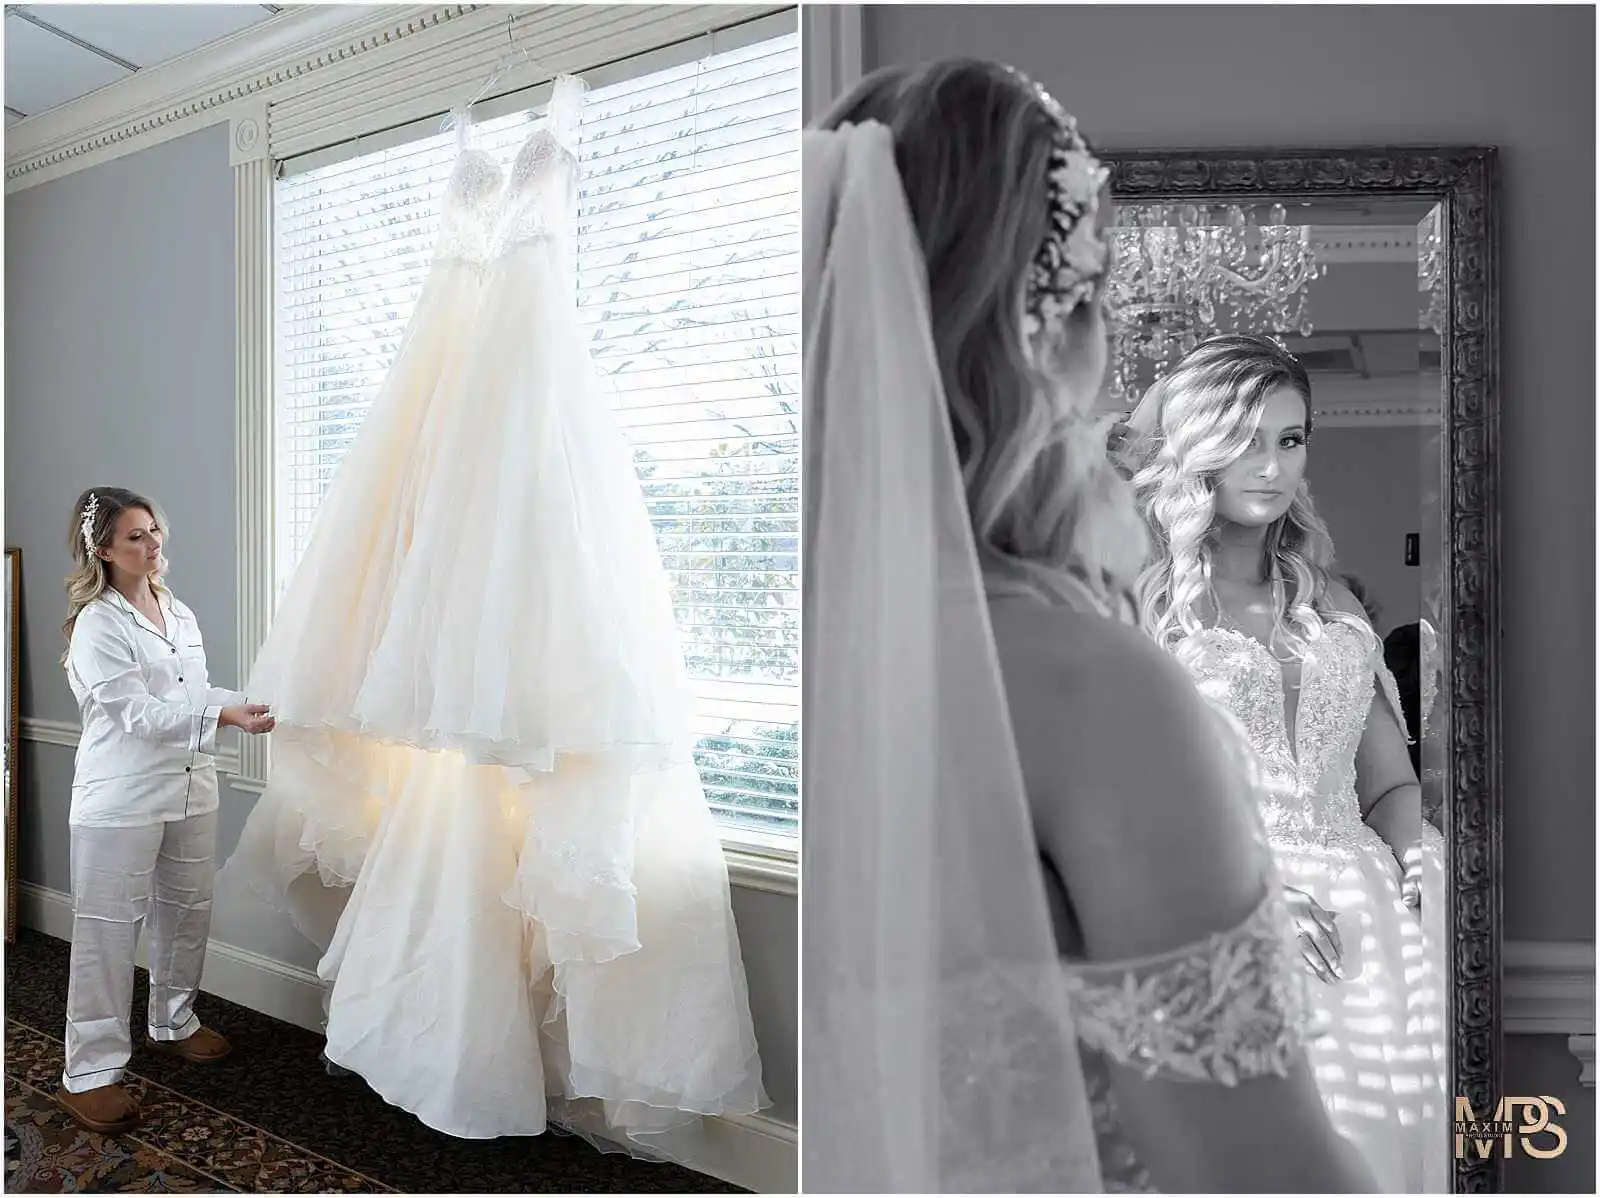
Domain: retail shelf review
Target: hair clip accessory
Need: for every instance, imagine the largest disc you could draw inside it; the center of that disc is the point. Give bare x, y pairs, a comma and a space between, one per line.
86, 525
1074, 255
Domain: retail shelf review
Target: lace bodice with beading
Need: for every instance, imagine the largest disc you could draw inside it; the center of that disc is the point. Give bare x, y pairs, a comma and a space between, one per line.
1226, 1009
488, 209
1309, 797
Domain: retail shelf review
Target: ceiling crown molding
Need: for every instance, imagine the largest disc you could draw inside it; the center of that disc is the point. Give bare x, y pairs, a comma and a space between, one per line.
177, 97
1365, 243
1349, 401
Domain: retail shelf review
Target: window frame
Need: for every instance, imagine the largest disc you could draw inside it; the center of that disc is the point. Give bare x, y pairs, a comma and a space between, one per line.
767, 862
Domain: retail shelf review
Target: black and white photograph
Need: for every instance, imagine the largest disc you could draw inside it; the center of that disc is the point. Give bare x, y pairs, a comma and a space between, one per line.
1196, 588
408, 787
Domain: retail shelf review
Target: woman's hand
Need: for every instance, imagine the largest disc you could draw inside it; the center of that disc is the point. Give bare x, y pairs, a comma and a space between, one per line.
253, 718
1119, 435
1319, 938
1411, 878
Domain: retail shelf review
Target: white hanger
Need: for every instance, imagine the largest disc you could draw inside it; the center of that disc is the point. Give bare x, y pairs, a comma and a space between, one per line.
511, 58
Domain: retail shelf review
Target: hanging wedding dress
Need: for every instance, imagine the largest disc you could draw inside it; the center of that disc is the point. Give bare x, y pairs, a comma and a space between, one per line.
1380, 1064
483, 722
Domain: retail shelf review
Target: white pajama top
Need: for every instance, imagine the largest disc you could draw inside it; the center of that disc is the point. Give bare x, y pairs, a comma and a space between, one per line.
149, 713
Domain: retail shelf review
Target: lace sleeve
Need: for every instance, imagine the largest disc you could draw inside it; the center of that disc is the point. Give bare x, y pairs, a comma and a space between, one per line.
1228, 1008
1390, 689
1429, 653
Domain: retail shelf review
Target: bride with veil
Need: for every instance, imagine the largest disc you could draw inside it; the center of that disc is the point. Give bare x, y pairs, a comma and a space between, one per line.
1044, 942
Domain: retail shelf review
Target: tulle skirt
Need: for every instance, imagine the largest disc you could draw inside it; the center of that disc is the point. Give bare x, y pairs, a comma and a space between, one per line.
484, 750
1379, 1058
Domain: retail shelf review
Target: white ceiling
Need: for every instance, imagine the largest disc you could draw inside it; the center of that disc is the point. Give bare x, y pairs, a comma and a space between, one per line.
58, 52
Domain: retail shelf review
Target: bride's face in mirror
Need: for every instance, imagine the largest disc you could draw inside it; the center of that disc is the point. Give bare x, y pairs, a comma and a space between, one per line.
1259, 485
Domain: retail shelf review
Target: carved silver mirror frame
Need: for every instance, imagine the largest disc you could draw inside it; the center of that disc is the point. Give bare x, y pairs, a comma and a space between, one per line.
1464, 179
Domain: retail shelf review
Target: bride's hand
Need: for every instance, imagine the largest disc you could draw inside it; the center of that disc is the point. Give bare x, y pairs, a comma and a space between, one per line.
1319, 938
1411, 878
1119, 434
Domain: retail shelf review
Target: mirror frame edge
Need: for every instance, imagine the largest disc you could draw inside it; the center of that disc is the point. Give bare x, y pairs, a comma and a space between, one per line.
1465, 179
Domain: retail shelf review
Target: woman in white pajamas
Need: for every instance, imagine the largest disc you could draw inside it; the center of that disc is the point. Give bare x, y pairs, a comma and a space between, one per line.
144, 803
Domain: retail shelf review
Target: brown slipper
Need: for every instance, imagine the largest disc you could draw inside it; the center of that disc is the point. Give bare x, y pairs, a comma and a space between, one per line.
109, 1110
203, 1047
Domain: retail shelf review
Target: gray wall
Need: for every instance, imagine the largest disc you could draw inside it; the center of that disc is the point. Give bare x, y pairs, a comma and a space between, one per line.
1538, 1065
119, 329
119, 371
1519, 77
1366, 485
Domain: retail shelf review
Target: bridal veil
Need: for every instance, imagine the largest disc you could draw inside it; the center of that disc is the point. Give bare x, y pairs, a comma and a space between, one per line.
939, 1049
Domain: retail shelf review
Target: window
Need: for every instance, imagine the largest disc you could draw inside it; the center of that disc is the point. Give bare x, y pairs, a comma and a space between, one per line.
688, 277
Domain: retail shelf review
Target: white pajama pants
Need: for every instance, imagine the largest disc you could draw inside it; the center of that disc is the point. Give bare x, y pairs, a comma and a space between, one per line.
121, 878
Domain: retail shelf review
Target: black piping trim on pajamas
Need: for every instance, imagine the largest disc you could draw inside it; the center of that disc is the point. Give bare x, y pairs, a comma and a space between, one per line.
199, 716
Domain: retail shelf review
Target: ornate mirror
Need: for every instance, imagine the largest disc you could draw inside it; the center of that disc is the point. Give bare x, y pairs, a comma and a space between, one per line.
1377, 269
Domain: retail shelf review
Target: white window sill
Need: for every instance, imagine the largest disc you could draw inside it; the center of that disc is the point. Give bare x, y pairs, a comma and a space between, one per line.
756, 862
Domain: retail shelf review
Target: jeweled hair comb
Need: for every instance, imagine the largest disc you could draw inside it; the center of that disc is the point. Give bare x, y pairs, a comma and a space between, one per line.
1074, 255
90, 511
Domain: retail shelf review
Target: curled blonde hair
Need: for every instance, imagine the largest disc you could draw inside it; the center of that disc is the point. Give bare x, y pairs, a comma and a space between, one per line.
1190, 426
91, 574
972, 145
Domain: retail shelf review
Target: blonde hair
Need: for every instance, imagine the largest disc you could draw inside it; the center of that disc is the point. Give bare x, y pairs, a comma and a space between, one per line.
972, 145
1190, 426
91, 575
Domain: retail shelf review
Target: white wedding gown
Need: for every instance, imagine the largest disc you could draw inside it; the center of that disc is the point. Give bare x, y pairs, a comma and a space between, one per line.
1380, 1061
483, 723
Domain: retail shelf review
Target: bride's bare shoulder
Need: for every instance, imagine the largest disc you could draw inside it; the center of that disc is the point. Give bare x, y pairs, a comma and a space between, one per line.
1064, 652
1132, 796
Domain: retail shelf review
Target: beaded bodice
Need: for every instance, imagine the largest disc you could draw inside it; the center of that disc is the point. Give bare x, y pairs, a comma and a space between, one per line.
489, 209
1307, 762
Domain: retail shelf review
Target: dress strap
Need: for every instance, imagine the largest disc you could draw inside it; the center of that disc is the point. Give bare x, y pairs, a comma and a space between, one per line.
459, 122
565, 110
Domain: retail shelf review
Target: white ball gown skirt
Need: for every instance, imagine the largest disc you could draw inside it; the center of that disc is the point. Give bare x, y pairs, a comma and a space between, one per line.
484, 739
1380, 1061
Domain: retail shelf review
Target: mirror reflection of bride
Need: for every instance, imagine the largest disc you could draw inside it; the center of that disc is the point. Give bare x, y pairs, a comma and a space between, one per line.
1242, 594
1045, 946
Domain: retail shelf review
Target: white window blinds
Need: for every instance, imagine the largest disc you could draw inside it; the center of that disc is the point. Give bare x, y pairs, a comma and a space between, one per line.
689, 281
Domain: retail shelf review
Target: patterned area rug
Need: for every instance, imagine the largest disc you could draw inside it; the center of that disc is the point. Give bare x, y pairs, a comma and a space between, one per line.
46, 1154
181, 1147
269, 1119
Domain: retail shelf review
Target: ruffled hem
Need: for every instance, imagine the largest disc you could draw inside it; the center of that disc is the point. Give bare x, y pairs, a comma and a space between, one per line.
598, 884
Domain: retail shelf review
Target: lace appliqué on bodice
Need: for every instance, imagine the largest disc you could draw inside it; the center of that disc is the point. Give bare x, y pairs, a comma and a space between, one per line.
1229, 1008
1309, 796
1221, 1010
488, 210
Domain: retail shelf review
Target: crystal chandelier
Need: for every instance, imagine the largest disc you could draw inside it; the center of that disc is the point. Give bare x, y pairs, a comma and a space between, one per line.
1430, 271
1185, 271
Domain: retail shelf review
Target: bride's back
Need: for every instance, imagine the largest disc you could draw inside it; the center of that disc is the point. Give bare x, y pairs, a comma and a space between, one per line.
1159, 887
1113, 744
1135, 804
